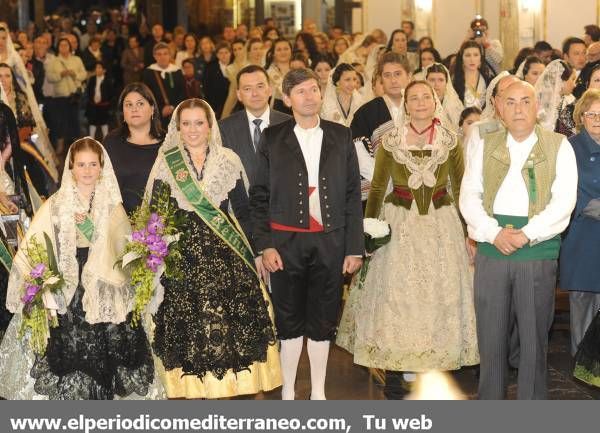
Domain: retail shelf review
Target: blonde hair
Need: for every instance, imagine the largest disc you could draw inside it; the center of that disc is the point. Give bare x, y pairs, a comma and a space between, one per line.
585, 102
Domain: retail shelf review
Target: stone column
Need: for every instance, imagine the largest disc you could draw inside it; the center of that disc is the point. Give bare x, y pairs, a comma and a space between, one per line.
509, 30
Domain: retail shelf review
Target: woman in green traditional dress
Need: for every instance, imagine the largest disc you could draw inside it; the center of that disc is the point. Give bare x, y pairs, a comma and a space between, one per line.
415, 311
213, 329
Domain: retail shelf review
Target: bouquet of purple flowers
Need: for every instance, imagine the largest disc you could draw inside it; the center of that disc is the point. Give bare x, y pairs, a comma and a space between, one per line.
152, 249
39, 305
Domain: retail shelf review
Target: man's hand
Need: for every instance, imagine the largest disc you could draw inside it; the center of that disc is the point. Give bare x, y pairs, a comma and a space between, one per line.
272, 260
510, 240
167, 110
262, 271
351, 264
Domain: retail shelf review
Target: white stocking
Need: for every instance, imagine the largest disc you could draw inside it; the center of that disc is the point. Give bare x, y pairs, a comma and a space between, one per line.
93, 131
290, 356
318, 352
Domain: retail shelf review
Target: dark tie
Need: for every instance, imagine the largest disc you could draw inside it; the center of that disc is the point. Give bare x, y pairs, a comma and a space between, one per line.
256, 135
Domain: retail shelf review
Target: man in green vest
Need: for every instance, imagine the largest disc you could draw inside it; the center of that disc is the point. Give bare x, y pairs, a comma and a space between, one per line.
517, 195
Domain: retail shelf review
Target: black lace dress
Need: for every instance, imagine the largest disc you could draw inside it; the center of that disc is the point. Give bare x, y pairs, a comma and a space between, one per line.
587, 359
93, 361
213, 321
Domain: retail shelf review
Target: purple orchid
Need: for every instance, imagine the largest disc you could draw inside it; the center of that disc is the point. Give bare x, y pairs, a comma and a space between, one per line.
30, 291
152, 239
138, 236
155, 224
38, 270
153, 262
159, 248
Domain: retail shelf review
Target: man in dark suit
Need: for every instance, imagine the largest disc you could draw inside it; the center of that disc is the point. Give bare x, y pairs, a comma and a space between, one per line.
215, 81
166, 82
307, 218
241, 131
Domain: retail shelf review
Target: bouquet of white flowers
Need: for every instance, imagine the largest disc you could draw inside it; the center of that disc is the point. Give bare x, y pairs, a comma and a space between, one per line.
377, 234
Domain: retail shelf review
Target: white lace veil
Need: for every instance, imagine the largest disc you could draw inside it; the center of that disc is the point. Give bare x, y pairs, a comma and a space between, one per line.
489, 112
349, 56
40, 135
330, 110
548, 89
222, 167
107, 295
519, 74
452, 105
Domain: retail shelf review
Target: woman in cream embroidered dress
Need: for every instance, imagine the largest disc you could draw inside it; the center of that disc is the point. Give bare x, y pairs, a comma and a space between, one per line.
415, 310
213, 333
278, 64
341, 99
93, 353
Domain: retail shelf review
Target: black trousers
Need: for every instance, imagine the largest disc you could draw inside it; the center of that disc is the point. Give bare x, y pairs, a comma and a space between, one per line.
307, 293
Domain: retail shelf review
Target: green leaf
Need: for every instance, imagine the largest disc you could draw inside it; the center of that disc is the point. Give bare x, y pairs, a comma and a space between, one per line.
52, 263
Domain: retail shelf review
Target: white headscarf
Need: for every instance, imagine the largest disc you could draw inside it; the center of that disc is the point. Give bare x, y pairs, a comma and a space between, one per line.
548, 89
489, 111
40, 135
107, 295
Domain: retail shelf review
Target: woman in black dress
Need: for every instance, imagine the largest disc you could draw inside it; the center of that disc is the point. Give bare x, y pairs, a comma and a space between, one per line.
134, 144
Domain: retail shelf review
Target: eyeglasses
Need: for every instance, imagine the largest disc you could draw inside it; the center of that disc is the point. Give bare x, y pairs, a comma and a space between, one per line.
592, 115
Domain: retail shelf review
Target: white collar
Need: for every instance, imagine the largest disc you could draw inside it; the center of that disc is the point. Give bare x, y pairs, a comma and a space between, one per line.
298, 128
529, 141
264, 117
171, 68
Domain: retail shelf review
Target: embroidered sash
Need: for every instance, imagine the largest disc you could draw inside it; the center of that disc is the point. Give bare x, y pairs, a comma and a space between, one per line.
86, 228
212, 216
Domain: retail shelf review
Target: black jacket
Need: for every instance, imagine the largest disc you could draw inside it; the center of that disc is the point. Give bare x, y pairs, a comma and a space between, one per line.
216, 87
278, 192
236, 135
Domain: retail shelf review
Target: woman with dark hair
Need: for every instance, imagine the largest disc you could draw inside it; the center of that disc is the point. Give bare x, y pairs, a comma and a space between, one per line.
398, 43
425, 42
322, 68
306, 44
271, 33
471, 75
341, 98
530, 69
428, 56
277, 65
190, 44
520, 58
134, 144
438, 76
554, 91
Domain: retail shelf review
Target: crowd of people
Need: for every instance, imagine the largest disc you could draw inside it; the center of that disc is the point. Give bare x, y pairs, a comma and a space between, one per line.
268, 152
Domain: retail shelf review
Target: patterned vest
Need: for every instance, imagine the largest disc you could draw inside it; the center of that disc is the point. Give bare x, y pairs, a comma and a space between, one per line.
538, 172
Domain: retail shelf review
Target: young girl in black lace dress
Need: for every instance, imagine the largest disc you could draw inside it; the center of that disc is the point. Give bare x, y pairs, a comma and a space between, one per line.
93, 353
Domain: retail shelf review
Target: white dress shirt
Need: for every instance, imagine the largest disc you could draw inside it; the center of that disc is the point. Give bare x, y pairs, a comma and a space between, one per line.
264, 117
512, 197
310, 141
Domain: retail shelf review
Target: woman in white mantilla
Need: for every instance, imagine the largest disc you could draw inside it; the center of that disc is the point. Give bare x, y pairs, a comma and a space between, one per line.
213, 332
94, 352
415, 309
